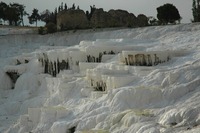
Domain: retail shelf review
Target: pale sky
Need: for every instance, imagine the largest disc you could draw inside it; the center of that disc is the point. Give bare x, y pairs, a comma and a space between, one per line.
146, 7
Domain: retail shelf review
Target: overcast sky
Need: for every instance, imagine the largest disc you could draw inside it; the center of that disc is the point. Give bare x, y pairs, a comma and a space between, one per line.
147, 7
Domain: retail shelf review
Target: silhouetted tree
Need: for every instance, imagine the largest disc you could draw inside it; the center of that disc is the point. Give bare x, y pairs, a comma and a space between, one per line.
3, 7
55, 16
61, 7
65, 6
168, 13
45, 16
73, 7
196, 10
22, 13
12, 14
92, 9
34, 17
87, 15
55, 11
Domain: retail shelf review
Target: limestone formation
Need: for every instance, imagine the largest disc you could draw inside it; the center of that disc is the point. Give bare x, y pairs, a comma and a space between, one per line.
142, 20
101, 19
152, 58
77, 19
53, 67
113, 18
122, 18
72, 19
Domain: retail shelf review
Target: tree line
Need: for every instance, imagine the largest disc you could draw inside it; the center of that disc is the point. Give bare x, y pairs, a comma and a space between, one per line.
14, 13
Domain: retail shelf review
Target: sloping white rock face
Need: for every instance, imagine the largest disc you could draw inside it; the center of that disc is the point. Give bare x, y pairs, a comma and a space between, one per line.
143, 80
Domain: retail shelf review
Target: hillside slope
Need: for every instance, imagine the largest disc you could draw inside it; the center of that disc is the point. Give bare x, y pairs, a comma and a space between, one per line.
129, 80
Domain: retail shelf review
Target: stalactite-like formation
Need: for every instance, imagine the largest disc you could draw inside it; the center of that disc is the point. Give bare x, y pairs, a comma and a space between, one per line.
144, 60
98, 59
99, 86
53, 67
